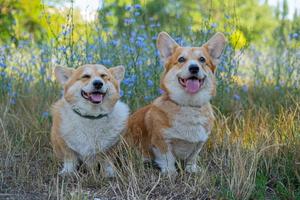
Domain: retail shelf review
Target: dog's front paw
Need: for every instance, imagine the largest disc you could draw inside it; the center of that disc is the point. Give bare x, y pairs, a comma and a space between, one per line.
192, 168
169, 171
69, 168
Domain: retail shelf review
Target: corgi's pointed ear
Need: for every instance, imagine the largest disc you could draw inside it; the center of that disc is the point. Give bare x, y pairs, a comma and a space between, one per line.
166, 45
63, 74
118, 72
215, 46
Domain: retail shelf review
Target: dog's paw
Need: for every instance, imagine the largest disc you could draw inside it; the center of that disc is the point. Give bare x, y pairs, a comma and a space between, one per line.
192, 168
109, 172
66, 172
169, 171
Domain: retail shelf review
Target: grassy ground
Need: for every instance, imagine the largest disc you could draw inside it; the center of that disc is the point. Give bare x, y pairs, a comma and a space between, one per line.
253, 153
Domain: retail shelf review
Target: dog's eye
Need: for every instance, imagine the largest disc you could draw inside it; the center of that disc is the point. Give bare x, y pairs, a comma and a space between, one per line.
86, 76
202, 59
181, 59
103, 75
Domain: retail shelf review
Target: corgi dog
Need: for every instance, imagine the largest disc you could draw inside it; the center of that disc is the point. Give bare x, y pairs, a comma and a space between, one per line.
178, 123
89, 119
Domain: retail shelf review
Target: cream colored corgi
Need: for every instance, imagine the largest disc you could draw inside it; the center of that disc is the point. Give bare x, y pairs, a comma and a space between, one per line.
89, 119
178, 123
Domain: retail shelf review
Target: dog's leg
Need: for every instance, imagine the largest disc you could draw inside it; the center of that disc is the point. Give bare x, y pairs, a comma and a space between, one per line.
69, 166
108, 168
191, 163
166, 161
70, 162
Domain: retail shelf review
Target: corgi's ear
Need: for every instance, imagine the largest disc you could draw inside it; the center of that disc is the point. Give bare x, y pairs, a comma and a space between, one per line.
118, 72
166, 45
63, 74
215, 46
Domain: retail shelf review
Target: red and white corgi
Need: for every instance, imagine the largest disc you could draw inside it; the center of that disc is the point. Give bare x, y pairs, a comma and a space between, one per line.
89, 119
178, 123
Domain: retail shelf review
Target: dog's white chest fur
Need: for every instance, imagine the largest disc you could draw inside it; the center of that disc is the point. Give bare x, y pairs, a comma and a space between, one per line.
188, 125
88, 137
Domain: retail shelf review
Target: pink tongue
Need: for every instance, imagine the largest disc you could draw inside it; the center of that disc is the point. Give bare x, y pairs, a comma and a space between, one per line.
96, 97
192, 85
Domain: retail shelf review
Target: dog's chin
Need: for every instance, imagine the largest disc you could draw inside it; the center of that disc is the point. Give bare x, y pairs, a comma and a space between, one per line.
192, 84
94, 97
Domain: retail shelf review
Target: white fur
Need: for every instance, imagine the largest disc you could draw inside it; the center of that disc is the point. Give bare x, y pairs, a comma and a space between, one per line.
108, 169
69, 167
188, 125
192, 168
180, 96
88, 137
166, 161
87, 108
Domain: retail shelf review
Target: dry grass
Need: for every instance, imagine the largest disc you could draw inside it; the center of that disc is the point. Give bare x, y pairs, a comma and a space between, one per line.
253, 153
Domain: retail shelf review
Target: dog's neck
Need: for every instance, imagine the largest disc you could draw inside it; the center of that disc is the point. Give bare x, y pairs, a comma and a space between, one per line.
77, 111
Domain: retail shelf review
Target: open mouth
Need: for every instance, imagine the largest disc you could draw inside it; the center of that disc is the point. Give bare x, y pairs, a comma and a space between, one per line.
95, 97
192, 84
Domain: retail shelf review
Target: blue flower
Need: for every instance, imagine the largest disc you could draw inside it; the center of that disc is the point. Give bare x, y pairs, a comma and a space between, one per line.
147, 98
161, 91
150, 83
295, 35
121, 93
236, 97
245, 88
45, 114
12, 101
106, 62
42, 70
2, 64
147, 74
114, 42
130, 80
214, 25
128, 7
139, 62
129, 21
137, 6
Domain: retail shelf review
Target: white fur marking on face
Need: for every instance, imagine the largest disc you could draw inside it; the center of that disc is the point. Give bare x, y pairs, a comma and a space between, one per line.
87, 70
192, 62
197, 53
180, 96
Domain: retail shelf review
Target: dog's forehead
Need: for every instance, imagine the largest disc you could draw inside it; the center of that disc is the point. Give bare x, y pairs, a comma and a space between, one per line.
191, 52
94, 69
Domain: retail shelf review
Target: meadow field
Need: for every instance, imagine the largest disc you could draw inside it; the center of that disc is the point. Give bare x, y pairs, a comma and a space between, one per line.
254, 149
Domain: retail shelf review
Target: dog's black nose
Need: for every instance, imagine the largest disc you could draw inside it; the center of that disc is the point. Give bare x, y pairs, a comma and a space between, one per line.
97, 84
194, 69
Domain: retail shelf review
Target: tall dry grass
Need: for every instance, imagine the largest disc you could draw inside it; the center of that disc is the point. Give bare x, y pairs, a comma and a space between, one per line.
253, 153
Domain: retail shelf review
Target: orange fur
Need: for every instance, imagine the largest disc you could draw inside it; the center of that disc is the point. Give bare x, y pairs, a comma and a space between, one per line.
77, 135
147, 127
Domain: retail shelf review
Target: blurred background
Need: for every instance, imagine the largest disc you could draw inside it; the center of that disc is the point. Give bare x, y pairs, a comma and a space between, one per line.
263, 39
